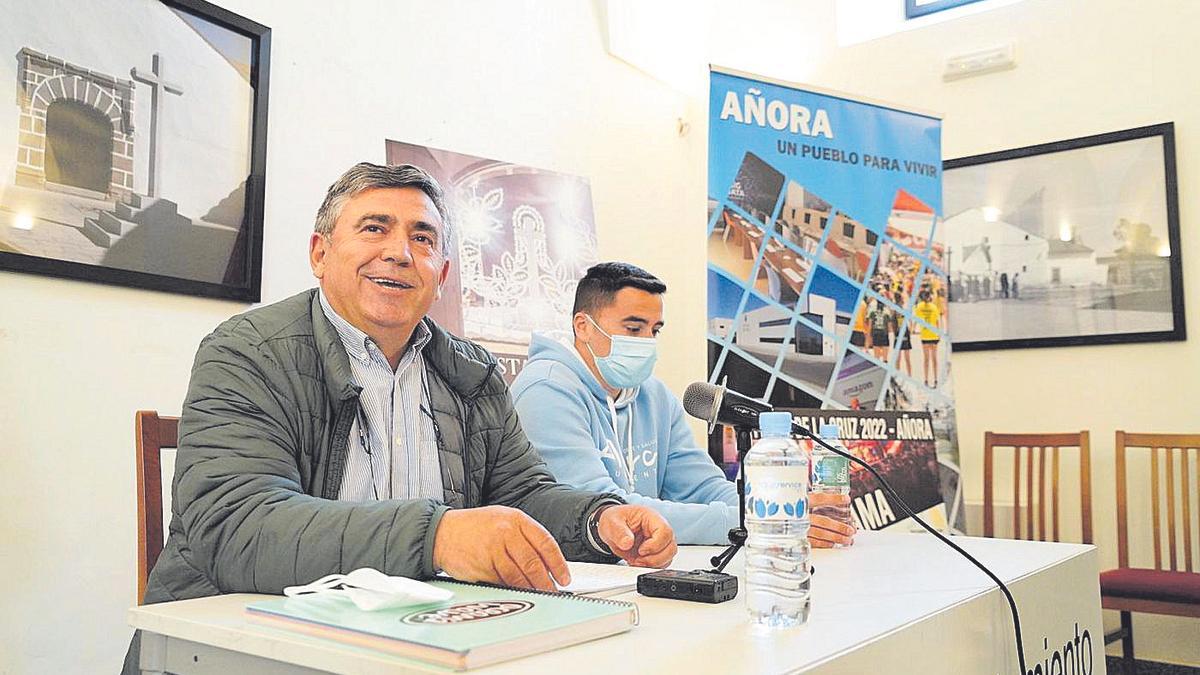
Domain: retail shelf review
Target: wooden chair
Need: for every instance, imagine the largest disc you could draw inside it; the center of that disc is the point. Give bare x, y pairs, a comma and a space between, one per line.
1168, 587
153, 433
1036, 448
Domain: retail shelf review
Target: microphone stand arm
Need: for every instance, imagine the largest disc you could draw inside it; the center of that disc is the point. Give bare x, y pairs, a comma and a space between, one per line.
737, 536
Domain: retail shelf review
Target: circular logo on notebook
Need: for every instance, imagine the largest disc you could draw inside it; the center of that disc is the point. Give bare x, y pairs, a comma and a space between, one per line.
469, 611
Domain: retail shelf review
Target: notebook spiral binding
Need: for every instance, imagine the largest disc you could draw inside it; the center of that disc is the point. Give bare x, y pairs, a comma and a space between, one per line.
637, 619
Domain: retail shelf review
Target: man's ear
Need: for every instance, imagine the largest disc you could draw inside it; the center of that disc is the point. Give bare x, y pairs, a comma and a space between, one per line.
318, 246
579, 322
442, 278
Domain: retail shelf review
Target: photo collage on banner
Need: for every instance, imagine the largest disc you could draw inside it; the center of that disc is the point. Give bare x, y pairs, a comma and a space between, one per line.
523, 238
826, 279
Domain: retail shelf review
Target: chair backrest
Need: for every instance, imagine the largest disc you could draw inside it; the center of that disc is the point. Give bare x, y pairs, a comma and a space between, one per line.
1167, 452
1034, 448
153, 433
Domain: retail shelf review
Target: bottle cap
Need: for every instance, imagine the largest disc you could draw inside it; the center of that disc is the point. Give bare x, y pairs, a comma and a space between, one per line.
829, 431
775, 423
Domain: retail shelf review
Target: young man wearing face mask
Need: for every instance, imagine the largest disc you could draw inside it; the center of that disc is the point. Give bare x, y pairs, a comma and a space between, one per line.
601, 422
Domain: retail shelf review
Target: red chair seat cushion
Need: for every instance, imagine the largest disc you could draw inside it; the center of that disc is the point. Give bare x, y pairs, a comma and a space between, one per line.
1146, 584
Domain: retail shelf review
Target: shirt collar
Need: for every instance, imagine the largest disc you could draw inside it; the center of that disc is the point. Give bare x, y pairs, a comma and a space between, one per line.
358, 344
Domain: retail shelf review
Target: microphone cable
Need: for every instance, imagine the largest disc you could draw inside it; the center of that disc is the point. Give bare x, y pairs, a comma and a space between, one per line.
1012, 604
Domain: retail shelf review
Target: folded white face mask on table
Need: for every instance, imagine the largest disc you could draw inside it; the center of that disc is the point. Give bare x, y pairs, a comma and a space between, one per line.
372, 590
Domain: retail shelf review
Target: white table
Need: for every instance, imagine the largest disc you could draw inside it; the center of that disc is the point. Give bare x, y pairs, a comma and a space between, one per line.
893, 603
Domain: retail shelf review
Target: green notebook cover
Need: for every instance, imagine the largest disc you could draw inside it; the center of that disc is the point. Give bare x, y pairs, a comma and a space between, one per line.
478, 626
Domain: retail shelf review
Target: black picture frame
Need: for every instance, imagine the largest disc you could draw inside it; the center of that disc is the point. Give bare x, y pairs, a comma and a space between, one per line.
235, 271
912, 10
1134, 271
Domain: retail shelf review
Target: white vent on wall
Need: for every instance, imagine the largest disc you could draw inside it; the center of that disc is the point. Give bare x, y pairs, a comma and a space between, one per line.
981, 62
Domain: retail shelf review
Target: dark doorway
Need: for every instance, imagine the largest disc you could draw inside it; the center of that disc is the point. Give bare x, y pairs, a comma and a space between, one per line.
809, 340
78, 146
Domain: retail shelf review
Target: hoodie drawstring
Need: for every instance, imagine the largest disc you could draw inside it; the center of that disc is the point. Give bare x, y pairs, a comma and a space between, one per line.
630, 474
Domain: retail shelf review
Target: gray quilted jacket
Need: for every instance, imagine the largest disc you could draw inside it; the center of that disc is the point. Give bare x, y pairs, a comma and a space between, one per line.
262, 448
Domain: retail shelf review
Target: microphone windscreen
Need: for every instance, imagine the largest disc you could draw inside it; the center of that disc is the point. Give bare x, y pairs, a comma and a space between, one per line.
700, 400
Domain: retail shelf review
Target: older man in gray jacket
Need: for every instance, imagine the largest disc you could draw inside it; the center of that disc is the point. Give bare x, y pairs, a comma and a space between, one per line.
342, 428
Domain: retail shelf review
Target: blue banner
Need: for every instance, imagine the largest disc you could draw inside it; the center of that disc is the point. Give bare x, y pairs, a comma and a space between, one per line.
826, 282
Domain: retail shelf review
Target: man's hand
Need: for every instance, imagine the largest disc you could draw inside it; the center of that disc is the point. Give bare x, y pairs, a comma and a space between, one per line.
637, 535
498, 545
825, 532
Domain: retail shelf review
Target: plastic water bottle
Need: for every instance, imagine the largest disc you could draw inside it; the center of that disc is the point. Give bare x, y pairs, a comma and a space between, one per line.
777, 548
831, 476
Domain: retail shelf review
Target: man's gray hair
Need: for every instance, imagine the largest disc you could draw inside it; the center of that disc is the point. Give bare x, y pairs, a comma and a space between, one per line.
366, 176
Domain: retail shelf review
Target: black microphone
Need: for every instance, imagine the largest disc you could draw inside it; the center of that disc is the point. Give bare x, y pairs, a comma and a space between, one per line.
715, 404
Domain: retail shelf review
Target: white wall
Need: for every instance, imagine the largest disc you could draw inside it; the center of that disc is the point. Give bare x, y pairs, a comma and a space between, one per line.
522, 81
1084, 67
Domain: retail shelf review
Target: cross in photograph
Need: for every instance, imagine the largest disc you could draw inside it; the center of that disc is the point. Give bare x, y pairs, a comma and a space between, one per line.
157, 81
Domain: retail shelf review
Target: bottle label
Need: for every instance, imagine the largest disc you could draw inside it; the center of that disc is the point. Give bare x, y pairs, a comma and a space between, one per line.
776, 492
832, 471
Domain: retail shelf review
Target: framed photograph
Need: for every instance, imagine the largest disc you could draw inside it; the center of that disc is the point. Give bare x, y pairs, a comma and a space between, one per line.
133, 140
1068, 243
916, 8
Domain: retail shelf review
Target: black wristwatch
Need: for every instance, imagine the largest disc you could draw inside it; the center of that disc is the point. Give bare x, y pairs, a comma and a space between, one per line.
593, 528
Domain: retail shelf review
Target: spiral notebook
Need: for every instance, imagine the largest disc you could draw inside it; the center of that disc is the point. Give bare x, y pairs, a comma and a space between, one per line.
480, 625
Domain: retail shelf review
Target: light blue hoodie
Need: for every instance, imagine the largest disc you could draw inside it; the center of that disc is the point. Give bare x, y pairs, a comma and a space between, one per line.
568, 417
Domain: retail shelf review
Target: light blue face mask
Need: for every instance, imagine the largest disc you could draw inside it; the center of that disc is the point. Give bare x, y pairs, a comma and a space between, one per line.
629, 362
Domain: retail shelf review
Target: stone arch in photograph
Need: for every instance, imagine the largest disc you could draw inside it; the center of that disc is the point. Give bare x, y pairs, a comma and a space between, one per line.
76, 130
76, 136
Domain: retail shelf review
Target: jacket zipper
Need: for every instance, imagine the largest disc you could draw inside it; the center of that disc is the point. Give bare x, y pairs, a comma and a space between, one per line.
338, 451
469, 404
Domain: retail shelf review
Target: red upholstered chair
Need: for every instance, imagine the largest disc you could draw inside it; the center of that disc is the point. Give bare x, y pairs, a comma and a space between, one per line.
1172, 586
153, 433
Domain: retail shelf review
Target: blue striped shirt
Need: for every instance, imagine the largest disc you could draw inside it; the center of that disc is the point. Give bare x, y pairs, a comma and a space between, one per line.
400, 457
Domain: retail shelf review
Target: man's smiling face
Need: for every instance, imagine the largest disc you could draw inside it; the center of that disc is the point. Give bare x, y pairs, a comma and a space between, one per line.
382, 267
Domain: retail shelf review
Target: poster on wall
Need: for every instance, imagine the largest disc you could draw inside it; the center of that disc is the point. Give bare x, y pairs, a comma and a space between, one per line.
898, 445
826, 275
522, 239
